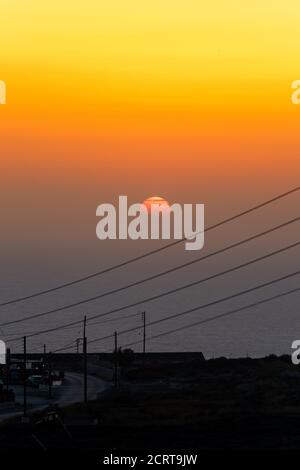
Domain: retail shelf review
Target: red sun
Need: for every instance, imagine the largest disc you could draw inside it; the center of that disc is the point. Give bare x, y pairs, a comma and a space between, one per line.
154, 201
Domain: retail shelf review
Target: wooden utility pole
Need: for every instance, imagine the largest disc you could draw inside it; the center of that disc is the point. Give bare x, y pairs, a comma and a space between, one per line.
44, 357
84, 326
25, 377
144, 331
7, 368
116, 360
50, 378
85, 361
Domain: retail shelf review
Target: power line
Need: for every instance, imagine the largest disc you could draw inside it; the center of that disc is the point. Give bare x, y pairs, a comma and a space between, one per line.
210, 304
145, 255
216, 317
73, 326
125, 317
181, 266
176, 268
172, 291
200, 307
71, 344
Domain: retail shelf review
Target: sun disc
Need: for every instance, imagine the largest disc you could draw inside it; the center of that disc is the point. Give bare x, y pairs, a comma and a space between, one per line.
156, 202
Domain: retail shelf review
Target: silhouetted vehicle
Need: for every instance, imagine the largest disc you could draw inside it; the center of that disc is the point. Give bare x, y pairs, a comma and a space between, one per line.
35, 380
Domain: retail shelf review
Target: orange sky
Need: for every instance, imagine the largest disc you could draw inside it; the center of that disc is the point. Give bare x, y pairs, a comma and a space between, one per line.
187, 100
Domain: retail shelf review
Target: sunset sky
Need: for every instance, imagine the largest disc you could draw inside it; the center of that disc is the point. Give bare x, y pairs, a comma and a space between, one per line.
188, 100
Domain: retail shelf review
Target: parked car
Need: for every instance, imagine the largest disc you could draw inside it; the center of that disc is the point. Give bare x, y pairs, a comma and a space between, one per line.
35, 380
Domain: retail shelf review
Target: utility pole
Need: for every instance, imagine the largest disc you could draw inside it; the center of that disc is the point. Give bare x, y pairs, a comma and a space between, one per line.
144, 331
50, 377
85, 360
25, 377
77, 345
44, 357
7, 368
116, 360
84, 326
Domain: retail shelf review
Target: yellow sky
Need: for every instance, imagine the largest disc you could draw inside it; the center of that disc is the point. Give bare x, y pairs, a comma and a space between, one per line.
130, 43
116, 64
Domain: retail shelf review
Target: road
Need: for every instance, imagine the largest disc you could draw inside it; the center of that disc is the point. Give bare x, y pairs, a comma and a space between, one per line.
70, 392
72, 389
